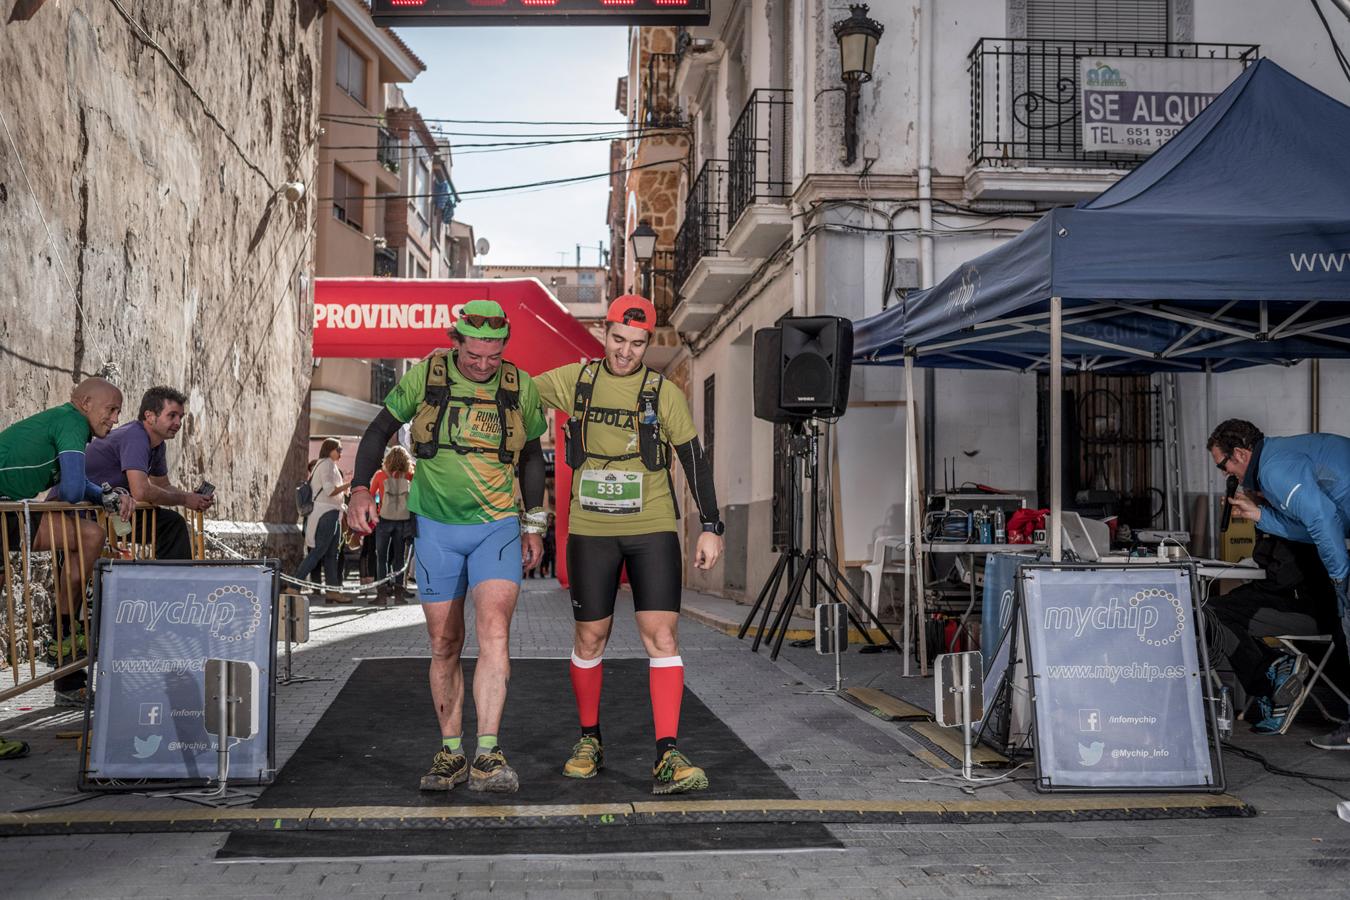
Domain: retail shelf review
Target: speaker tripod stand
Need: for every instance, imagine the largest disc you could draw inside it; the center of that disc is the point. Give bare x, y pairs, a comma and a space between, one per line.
803, 567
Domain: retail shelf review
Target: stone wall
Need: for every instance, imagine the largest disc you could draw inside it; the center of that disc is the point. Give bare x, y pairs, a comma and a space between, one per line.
156, 150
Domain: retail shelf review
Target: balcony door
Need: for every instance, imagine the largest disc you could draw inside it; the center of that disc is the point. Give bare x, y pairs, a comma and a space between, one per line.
1058, 33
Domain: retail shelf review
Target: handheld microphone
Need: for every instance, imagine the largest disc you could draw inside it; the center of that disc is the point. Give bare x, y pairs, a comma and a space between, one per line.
1228, 507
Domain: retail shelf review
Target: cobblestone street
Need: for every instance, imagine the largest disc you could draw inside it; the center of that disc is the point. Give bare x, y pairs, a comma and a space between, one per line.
822, 747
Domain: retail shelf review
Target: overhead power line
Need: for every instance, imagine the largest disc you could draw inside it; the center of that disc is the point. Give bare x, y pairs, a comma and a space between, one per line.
553, 182
476, 121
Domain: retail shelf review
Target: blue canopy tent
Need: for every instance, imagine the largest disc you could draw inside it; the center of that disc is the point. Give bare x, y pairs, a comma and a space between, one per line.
1228, 247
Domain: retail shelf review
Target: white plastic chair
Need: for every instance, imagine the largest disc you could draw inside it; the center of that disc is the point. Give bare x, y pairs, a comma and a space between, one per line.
888, 558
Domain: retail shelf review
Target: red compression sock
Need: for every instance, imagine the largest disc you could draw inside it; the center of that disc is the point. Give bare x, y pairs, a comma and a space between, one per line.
586, 677
666, 677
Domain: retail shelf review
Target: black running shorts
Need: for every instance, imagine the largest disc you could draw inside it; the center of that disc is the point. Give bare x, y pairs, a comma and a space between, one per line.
594, 564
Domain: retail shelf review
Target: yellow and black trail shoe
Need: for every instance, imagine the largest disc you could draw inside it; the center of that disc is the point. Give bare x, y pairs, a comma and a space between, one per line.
447, 770
675, 774
587, 758
490, 772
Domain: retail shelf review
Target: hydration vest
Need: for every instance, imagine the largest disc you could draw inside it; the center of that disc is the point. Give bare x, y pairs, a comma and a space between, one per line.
652, 450
438, 397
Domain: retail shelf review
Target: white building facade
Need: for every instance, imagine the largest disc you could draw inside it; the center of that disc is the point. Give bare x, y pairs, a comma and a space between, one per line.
966, 133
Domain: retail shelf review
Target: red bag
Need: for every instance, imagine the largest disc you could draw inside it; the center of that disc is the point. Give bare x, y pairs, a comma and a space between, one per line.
1023, 523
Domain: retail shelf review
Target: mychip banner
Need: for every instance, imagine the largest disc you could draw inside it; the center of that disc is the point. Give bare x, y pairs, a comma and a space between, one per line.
157, 623
1135, 104
1117, 671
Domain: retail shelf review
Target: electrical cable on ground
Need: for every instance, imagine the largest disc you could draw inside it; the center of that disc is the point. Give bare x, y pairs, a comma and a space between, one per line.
1279, 770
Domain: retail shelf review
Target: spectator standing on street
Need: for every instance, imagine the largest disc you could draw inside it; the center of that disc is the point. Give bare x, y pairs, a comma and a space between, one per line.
390, 488
323, 529
134, 457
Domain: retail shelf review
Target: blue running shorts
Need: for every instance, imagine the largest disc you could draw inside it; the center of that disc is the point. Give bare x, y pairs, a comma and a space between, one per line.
453, 558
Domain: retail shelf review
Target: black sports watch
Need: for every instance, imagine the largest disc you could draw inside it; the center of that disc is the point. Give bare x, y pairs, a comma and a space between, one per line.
718, 528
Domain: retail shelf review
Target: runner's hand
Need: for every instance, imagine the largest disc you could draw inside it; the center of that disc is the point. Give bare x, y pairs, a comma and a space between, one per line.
361, 515
709, 550
531, 550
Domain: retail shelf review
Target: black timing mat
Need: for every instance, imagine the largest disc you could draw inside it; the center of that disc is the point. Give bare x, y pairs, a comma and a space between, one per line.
378, 737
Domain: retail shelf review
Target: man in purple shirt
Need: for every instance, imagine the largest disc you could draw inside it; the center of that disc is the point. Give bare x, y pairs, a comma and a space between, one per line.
134, 456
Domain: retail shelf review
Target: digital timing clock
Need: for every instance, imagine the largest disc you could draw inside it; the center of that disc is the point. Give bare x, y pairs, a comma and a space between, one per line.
540, 12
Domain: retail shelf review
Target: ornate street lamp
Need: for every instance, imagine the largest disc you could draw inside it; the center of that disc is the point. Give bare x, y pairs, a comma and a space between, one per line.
643, 240
858, 36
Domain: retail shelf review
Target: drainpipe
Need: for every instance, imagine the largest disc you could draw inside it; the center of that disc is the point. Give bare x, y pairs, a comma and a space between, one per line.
926, 275
800, 59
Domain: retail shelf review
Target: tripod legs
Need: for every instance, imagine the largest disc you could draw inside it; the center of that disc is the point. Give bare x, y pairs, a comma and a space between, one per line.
765, 600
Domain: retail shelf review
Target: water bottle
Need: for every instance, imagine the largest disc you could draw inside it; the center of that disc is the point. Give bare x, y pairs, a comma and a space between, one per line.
1225, 714
1000, 528
986, 527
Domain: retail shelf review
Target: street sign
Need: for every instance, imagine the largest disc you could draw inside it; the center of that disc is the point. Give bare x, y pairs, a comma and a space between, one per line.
540, 12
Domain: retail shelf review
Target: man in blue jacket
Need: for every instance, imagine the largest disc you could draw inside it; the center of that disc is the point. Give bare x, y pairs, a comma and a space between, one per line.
1296, 488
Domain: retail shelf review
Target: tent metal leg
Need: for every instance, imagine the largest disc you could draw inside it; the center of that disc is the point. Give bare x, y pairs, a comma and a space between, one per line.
1056, 425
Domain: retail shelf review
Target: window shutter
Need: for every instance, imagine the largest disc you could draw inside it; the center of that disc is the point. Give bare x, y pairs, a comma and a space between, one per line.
1097, 20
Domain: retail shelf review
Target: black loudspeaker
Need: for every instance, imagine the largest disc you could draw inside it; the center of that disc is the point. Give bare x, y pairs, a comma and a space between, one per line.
768, 368
816, 364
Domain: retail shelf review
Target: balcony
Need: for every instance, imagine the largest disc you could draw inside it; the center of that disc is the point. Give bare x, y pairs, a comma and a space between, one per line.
660, 106
705, 276
758, 177
662, 137
387, 149
386, 263
1026, 128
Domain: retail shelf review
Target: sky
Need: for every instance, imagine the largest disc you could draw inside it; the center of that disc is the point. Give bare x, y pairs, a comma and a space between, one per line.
527, 74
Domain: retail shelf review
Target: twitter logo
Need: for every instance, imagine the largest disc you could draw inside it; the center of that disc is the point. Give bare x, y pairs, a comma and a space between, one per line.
1091, 754
146, 748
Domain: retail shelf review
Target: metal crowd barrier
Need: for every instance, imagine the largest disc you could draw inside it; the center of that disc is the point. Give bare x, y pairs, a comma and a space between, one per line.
32, 657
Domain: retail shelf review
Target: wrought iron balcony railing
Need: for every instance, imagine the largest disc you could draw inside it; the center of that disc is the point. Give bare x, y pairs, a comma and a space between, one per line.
705, 217
660, 106
758, 155
386, 149
663, 285
1024, 97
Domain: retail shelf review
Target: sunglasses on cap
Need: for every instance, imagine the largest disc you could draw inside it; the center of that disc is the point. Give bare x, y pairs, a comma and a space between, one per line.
634, 315
475, 321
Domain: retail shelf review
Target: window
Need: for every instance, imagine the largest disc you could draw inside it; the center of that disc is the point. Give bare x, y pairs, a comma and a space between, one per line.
709, 415
419, 270
351, 71
383, 377
348, 197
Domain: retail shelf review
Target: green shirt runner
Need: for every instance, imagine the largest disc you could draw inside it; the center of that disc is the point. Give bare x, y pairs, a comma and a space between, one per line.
612, 431
465, 488
29, 449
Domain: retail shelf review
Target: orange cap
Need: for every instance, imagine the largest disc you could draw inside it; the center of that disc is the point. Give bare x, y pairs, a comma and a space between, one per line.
630, 309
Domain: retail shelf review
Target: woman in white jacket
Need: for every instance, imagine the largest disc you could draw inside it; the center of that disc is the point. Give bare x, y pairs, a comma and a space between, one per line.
323, 528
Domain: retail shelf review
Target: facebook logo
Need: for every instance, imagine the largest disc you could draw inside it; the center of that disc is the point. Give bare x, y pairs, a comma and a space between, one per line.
1089, 720
152, 713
